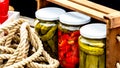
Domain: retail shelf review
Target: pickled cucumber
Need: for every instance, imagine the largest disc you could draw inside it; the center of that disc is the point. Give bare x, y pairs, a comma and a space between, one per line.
102, 61
46, 47
52, 45
82, 59
49, 34
56, 41
96, 43
90, 49
91, 61
45, 29
37, 27
55, 38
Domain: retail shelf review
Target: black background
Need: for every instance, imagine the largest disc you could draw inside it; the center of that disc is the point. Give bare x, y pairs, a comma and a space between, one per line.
25, 7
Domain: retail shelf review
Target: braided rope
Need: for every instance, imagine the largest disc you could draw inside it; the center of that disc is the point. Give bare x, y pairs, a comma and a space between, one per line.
5, 56
12, 59
29, 59
53, 62
11, 34
14, 46
2, 40
7, 50
16, 52
1, 36
40, 59
1, 66
19, 52
24, 43
20, 56
7, 27
10, 25
33, 41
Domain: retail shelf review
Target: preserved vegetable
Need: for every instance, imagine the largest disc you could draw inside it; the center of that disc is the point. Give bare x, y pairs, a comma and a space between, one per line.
92, 44
68, 33
46, 27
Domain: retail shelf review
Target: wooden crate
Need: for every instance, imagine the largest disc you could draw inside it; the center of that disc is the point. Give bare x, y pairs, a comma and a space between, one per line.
107, 15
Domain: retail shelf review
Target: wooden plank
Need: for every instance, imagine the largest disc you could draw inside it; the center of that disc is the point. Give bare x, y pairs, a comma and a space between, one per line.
95, 6
112, 47
41, 3
114, 19
74, 6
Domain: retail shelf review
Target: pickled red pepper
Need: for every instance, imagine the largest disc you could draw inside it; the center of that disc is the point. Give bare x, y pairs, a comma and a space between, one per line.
4, 6
68, 48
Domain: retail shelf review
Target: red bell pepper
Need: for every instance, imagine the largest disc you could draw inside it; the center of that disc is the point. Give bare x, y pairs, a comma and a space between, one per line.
59, 33
68, 49
75, 33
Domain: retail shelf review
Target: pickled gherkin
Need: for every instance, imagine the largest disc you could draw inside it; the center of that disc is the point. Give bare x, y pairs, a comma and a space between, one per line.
91, 61
82, 59
90, 49
91, 56
52, 45
92, 44
102, 61
37, 27
44, 29
49, 34
47, 31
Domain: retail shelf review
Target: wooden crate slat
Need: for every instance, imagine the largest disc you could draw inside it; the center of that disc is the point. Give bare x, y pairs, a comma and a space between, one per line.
95, 6
112, 47
71, 5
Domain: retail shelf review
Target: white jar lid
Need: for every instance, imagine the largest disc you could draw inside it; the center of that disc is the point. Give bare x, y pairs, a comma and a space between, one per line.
94, 31
74, 18
49, 13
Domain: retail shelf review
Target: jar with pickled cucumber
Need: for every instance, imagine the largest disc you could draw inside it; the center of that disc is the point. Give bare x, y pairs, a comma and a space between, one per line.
46, 26
92, 46
68, 33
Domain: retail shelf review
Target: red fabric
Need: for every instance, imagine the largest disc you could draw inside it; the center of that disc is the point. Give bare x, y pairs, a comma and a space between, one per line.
4, 6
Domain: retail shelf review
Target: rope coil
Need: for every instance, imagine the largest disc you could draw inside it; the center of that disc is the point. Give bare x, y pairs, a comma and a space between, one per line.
20, 47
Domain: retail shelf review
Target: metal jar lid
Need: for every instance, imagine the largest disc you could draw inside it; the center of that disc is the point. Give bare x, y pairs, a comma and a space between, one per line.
74, 18
94, 31
49, 13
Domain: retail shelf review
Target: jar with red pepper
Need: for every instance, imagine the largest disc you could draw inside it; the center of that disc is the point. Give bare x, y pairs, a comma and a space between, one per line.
68, 33
46, 26
92, 45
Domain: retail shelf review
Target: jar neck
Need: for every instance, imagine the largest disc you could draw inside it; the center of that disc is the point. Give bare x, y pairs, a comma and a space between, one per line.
93, 42
69, 27
44, 21
92, 39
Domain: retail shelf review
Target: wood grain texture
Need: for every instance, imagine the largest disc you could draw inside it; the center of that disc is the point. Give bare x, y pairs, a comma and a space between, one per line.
95, 6
80, 8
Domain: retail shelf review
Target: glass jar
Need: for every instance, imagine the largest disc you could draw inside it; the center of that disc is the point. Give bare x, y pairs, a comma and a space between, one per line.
4, 6
47, 28
68, 33
92, 45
